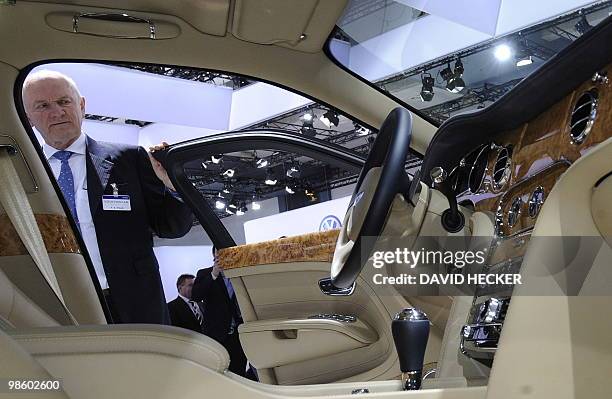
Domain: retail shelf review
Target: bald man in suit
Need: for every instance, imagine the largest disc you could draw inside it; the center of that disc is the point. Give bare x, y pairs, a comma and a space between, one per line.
117, 196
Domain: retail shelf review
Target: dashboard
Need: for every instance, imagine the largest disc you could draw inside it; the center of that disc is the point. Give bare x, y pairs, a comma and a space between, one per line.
510, 177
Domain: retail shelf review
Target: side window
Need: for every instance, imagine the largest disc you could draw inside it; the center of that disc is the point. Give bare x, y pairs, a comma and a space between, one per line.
102, 113
267, 194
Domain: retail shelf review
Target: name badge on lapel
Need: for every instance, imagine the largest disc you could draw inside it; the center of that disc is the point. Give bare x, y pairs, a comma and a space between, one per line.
116, 202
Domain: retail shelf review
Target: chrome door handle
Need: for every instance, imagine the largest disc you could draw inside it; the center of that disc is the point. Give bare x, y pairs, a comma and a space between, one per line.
326, 286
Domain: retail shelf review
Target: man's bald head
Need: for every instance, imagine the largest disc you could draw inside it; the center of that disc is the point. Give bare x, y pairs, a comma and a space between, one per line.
54, 106
48, 74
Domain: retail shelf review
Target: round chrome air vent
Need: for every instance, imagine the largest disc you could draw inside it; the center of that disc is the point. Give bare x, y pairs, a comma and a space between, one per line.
535, 201
583, 116
502, 168
479, 169
514, 212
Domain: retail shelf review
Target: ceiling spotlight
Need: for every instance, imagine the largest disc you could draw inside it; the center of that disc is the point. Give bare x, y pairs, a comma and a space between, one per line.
307, 127
330, 118
503, 52
233, 205
308, 117
447, 73
216, 158
458, 68
362, 131
454, 82
261, 163
457, 83
255, 204
427, 92
220, 203
524, 61
312, 196
294, 171
582, 26
270, 178
228, 173
289, 189
241, 209
308, 130
205, 165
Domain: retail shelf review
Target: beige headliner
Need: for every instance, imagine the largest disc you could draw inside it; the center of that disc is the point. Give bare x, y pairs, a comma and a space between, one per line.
301, 66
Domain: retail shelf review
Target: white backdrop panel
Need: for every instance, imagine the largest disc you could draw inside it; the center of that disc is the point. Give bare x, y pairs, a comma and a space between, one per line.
410, 45
478, 14
155, 133
131, 94
261, 101
174, 261
112, 132
295, 222
516, 14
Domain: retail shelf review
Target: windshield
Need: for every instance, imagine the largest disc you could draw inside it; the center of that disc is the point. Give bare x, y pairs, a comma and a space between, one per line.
443, 58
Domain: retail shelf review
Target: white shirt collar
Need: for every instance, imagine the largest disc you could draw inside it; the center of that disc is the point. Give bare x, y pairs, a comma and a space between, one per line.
78, 147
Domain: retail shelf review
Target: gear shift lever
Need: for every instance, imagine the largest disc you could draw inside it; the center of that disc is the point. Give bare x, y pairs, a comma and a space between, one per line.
410, 329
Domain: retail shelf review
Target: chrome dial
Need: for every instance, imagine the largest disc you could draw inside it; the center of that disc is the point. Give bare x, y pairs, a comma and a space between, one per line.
514, 212
535, 201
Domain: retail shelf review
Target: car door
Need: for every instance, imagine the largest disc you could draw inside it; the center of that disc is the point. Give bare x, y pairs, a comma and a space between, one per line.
298, 328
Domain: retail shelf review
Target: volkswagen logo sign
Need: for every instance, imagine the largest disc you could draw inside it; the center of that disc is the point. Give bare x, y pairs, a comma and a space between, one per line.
329, 222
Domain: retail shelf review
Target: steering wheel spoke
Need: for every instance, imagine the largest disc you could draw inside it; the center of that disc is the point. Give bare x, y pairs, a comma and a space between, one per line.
380, 180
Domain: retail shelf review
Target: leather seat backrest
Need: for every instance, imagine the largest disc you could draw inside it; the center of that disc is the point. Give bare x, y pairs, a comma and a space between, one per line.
17, 310
19, 364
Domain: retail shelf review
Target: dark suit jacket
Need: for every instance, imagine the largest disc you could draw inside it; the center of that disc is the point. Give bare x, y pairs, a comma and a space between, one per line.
125, 237
219, 307
182, 316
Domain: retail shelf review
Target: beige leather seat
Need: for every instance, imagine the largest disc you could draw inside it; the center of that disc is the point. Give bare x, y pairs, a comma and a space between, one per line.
18, 363
557, 343
17, 310
153, 360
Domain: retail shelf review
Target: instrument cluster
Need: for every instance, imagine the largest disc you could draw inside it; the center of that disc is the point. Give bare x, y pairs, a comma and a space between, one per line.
487, 168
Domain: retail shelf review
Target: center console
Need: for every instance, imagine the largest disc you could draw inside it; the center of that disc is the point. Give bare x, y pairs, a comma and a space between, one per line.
482, 330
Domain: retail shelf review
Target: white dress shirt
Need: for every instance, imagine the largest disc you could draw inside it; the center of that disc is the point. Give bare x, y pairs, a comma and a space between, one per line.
195, 308
77, 164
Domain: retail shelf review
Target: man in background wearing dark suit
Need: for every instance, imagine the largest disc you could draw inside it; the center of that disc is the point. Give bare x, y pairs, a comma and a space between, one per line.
222, 314
185, 312
117, 195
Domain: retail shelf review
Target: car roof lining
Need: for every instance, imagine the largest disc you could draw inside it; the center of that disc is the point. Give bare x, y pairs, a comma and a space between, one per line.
302, 26
313, 74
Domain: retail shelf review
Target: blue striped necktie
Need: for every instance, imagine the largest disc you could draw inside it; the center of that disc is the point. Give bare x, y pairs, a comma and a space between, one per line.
196, 311
228, 285
66, 181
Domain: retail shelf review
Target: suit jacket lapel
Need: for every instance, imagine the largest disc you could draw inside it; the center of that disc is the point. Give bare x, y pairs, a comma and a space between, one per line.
98, 172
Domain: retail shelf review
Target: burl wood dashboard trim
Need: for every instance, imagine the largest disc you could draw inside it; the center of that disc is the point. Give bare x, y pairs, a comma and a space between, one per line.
313, 247
539, 148
56, 233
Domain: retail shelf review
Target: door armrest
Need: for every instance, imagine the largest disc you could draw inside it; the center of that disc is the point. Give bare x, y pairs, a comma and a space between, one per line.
276, 342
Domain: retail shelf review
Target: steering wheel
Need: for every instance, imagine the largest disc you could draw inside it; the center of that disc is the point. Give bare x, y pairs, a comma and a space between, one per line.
379, 181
